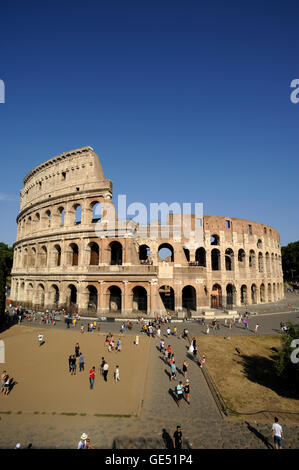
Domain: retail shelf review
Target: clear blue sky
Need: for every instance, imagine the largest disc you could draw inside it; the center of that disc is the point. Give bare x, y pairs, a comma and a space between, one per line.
182, 101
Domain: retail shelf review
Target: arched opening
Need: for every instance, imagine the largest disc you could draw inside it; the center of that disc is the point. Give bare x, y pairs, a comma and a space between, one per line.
166, 252
261, 262
269, 293
40, 296
43, 257
167, 297
144, 254
116, 253
57, 255
22, 292
241, 258
92, 298
96, 211
230, 296
32, 257
262, 293
48, 218
268, 269
54, 295
78, 214
25, 258
215, 240
259, 244
114, 299
139, 299
216, 296
244, 300
94, 254
200, 257
229, 259
29, 293
252, 259
71, 296
274, 292
189, 298
74, 254
61, 213
253, 294
215, 259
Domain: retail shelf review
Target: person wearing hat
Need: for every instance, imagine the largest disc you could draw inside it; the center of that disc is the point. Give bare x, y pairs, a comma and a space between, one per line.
187, 391
82, 442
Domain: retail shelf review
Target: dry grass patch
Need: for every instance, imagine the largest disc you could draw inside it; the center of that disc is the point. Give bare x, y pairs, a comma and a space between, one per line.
246, 381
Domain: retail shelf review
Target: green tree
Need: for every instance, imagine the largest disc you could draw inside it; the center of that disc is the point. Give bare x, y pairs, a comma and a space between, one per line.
290, 261
6, 259
286, 369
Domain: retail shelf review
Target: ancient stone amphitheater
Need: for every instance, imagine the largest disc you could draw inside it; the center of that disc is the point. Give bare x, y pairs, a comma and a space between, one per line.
63, 257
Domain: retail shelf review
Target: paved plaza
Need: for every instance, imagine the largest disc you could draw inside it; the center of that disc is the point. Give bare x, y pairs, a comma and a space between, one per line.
202, 423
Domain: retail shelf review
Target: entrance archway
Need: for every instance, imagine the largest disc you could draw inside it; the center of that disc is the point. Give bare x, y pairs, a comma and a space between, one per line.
189, 298
139, 299
167, 297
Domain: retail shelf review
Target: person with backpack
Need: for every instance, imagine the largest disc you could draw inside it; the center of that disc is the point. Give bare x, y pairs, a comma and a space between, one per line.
179, 391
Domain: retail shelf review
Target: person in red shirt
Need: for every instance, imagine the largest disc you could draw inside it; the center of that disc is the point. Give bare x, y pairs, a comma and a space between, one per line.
92, 377
169, 351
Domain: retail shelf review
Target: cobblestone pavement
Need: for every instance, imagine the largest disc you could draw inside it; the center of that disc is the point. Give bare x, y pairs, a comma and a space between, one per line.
202, 425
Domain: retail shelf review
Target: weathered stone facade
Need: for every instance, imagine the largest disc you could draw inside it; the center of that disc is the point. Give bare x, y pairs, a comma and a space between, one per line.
62, 261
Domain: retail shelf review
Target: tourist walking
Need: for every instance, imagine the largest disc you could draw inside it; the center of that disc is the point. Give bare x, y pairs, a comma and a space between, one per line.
256, 328
203, 360
177, 438
208, 330
77, 350
169, 349
81, 362
277, 434
168, 331
3, 380
118, 345
73, 365
173, 371
70, 363
245, 321
187, 391
105, 371
82, 328
179, 391
185, 368
116, 374
40, 339
102, 365
162, 345
137, 340
92, 377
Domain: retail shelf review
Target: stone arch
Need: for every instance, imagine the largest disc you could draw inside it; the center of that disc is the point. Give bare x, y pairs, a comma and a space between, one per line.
269, 292
40, 296
168, 298
230, 296
139, 299
268, 268
215, 239
189, 298
61, 215
29, 292
92, 298
71, 296
144, 254
274, 292
259, 244
241, 258
74, 254
22, 291
252, 259
32, 257
43, 256
200, 257
253, 294
94, 254
216, 296
215, 259
229, 260
77, 210
54, 296
244, 298
261, 262
116, 253
166, 252
96, 209
114, 298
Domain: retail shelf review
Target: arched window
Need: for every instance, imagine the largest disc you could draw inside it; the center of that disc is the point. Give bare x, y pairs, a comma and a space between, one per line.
241, 258
96, 211
57, 255
200, 257
252, 259
259, 244
94, 254
54, 295
253, 294
216, 296
74, 254
61, 213
78, 214
116, 253
215, 240
229, 259
262, 293
139, 299
92, 298
244, 300
166, 252
71, 296
261, 262
145, 254
115, 297
215, 259
230, 296
189, 298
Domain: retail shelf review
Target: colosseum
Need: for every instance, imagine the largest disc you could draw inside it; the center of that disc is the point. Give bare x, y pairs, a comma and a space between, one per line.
63, 258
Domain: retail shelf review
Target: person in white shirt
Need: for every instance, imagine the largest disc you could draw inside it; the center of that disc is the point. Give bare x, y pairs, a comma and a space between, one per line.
277, 434
40, 339
82, 442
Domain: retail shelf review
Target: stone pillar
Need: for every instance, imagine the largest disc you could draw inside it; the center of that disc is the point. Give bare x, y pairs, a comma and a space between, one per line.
178, 298
102, 299
126, 307
152, 300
